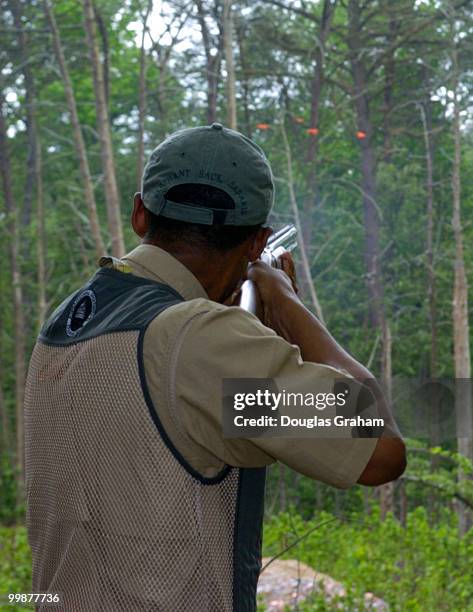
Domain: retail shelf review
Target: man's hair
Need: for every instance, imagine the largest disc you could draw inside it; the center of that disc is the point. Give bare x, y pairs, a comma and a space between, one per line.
210, 238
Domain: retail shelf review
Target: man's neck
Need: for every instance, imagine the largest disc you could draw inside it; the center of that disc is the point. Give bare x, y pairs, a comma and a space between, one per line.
214, 271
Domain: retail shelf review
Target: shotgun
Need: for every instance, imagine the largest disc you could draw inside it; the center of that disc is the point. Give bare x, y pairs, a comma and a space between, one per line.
281, 241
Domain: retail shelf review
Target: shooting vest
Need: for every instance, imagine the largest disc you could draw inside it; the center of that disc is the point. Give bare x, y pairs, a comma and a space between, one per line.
116, 518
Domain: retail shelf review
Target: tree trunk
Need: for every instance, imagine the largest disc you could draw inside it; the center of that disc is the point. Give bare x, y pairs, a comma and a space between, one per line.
77, 133
426, 115
5, 444
389, 70
142, 100
103, 127
212, 96
245, 82
298, 224
30, 187
41, 237
213, 62
310, 199
19, 322
461, 332
102, 28
229, 64
368, 171
403, 504
30, 107
371, 213
282, 488
386, 491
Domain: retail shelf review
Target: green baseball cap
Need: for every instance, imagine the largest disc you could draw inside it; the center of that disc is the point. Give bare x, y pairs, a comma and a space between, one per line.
210, 155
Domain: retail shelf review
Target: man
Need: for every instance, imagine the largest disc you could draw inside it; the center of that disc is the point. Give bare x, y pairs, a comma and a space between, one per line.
136, 500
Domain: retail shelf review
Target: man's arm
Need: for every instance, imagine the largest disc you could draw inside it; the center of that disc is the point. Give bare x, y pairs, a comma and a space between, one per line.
289, 318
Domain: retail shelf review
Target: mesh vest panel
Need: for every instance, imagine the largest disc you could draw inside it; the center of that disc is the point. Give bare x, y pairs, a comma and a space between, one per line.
115, 521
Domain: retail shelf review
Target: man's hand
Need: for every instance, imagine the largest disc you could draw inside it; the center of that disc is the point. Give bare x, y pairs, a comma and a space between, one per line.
269, 279
274, 285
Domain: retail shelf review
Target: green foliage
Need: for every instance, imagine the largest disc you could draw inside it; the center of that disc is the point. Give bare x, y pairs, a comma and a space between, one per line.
431, 479
15, 564
8, 510
413, 568
425, 565
444, 478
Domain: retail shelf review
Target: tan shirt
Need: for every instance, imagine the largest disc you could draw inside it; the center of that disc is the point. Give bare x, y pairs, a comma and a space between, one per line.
192, 346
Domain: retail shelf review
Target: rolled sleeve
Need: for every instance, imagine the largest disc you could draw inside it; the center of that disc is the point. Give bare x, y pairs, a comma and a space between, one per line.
223, 343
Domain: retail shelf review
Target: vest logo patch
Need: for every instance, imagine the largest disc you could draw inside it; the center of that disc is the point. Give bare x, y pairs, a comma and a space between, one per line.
82, 310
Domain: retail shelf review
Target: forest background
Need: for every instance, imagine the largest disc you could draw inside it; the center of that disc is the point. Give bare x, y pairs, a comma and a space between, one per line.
365, 111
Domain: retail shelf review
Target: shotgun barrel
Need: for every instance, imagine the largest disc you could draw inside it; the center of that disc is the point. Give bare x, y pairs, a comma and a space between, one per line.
281, 241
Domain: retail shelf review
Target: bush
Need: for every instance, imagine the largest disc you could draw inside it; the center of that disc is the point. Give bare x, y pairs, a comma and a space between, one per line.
414, 568
15, 564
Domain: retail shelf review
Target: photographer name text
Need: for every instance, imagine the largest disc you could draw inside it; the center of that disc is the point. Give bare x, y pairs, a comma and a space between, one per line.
306, 422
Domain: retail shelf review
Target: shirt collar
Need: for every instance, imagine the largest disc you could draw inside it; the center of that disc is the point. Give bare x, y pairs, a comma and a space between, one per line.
157, 264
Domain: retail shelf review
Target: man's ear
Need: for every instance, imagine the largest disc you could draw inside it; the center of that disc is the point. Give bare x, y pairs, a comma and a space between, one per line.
258, 242
138, 216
